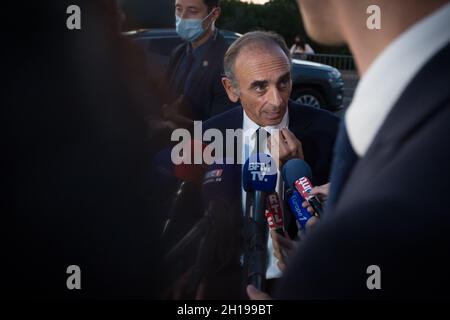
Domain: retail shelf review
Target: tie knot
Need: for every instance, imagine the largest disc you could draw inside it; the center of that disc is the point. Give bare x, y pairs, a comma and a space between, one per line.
261, 139
262, 132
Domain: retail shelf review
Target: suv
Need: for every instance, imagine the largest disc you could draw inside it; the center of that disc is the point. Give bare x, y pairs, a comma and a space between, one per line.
314, 84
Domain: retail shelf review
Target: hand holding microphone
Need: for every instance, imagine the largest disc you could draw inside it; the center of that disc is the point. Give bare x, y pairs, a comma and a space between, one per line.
297, 175
321, 192
304, 186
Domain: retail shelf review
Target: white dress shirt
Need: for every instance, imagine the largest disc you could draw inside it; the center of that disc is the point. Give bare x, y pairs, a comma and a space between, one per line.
389, 75
249, 143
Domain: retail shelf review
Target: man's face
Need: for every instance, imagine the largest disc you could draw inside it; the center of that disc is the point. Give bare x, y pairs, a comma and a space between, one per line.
321, 21
264, 80
191, 9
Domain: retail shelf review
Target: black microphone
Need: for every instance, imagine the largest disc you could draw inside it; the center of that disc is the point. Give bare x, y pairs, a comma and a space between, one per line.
213, 235
297, 174
189, 178
220, 239
259, 178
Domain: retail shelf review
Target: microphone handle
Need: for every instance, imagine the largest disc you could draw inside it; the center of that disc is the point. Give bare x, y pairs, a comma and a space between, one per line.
258, 240
259, 212
173, 208
198, 230
206, 247
316, 205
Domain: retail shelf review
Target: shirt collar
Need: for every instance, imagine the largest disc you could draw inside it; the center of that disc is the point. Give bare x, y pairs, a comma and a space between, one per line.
389, 75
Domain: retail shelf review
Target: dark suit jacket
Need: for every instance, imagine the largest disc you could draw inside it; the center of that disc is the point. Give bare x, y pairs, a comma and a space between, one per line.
393, 211
205, 95
315, 128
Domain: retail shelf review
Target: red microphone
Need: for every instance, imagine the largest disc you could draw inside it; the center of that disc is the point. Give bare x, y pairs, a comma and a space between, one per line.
274, 213
304, 186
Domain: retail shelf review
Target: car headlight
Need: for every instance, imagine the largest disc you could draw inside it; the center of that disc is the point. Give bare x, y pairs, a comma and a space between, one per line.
334, 75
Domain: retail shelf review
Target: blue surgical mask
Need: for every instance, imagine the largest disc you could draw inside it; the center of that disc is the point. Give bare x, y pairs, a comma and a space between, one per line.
190, 29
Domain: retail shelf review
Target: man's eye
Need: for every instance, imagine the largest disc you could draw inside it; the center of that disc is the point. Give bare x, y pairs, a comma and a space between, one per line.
284, 84
260, 89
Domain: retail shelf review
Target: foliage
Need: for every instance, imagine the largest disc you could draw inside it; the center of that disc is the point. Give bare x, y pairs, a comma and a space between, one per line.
281, 16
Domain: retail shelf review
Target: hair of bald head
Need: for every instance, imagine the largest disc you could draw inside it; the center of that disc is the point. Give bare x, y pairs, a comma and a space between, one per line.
256, 41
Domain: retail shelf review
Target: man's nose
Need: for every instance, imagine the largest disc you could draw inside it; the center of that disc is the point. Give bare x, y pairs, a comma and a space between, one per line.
274, 97
181, 13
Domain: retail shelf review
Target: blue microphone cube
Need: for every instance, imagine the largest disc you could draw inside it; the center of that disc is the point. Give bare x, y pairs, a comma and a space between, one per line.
295, 203
259, 173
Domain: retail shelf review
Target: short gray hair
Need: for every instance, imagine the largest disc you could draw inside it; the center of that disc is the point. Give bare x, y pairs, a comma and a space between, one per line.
251, 39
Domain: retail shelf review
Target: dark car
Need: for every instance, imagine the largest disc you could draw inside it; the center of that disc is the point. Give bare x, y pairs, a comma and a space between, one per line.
314, 84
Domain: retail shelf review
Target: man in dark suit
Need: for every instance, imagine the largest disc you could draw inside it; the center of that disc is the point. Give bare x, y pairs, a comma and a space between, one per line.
196, 66
386, 235
257, 68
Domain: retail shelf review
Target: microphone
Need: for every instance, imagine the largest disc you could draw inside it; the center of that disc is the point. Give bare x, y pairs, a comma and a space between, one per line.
304, 186
218, 190
189, 177
274, 213
297, 173
259, 178
214, 231
295, 201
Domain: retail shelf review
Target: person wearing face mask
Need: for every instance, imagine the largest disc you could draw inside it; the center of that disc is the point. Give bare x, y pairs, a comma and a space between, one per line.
196, 66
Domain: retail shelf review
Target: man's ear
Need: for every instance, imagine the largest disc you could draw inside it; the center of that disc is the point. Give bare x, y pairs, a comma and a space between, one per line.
216, 13
231, 91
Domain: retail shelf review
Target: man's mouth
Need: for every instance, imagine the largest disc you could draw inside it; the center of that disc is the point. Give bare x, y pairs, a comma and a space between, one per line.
273, 115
